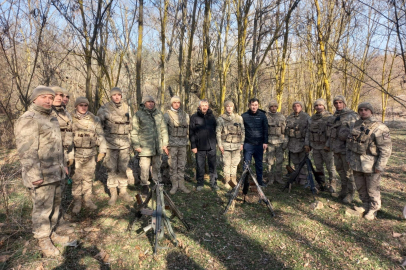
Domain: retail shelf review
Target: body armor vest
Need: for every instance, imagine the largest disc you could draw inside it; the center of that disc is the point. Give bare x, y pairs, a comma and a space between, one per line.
84, 135
231, 132
178, 126
65, 124
118, 119
317, 131
358, 140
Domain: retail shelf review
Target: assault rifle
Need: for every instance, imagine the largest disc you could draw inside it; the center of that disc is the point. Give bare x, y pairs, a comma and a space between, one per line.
244, 179
310, 173
159, 219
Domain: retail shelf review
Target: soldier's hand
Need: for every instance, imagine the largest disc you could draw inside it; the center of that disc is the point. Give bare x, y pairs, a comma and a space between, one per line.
100, 156
166, 150
265, 146
138, 149
70, 162
241, 147
221, 149
194, 150
38, 182
307, 148
66, 170
326, 148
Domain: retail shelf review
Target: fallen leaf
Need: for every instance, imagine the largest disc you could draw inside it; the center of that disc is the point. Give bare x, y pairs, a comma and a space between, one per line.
4, 258
91, 229
395, 234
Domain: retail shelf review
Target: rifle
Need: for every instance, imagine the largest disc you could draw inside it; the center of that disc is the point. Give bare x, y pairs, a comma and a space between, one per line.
310, 173
244, 178
289, 167
159, 219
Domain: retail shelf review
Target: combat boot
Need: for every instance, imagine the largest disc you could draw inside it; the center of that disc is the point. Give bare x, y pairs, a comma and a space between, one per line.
130, 176
113, 194
348, 198
279, 178
47, 248
175, 186
271, 178
233, 180
182, 186
77, 204
124, 195
226, 180
370, 215
343, 193
333, 186
88, 203
59, 239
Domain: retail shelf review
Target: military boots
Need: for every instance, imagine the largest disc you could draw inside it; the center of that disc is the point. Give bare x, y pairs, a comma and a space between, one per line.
47, 248
89, 203
182, 186
113, 198
124, 195
77, 204
175, 186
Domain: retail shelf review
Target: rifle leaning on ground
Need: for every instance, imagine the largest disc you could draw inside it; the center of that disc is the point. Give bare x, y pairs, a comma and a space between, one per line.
159, 219
244, 179
310, 173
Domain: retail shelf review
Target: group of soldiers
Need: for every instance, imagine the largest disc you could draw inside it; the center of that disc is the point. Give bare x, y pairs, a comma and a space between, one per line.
53, 143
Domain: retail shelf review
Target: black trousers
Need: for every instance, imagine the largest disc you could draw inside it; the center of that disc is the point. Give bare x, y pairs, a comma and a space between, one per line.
201, 164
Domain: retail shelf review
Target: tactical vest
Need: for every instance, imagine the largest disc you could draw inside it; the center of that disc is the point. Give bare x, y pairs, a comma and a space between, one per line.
358, 140
232, 132
65, 124
317, 132
293, 130
333, 127
276, 127
178, 126
118, 120
84, 135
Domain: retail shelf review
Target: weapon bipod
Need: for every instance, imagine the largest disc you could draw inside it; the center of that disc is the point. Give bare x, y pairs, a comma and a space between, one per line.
262, 197
159, 219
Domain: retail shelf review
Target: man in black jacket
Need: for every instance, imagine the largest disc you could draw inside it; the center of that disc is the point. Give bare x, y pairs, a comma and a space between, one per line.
256, 136
202, 134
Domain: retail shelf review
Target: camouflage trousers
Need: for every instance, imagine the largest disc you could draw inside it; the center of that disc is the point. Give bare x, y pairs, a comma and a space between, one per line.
145, 164
116, 162
321, 157
345, 172
296, 158
82, 180
46, 201
177, 162
231, 159
274, 158
368, 189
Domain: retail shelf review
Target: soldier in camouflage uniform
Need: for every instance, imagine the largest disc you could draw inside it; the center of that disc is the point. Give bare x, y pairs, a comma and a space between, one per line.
177, 122
338, 129
88, 134
39, 145
295, 134
276, 142
369, 147
65, 123
316, 140
66, 97
115, 119
149, 136
230, 134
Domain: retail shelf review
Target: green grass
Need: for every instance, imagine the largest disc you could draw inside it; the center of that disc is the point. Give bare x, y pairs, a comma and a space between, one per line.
247, 238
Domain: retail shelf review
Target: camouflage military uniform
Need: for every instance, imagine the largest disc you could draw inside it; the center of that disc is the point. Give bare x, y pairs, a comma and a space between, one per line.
115, 119
39, 144
149, 132
276, 145
316, 139
65, 124
295, 134
338, 129
88, 134
178, 129
369, 147
230, 134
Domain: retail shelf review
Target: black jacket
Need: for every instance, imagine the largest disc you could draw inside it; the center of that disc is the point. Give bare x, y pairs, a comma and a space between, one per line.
256, 127
202, 130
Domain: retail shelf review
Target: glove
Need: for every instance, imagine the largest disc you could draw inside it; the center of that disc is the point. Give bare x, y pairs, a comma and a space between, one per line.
326, 148
70, 162
307, 148
100, 156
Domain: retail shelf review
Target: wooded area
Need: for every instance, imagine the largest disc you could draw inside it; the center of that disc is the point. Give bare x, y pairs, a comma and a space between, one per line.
234, 49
